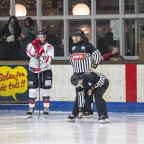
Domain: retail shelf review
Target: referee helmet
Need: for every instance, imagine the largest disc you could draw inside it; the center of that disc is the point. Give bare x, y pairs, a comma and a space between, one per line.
78, 32
74, 79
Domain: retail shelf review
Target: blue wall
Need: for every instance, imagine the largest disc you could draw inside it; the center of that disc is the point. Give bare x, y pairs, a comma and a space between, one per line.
67, 106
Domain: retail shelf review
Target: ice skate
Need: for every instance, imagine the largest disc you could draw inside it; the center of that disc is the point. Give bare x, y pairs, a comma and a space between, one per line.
30, 113
46, 112
71, 118
88, 115
103, 119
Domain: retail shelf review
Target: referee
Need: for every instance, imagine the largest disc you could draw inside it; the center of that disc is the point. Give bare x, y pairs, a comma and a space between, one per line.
84, 57
92, 84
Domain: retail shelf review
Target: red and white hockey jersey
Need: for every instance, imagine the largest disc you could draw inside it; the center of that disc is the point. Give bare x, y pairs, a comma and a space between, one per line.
40, 63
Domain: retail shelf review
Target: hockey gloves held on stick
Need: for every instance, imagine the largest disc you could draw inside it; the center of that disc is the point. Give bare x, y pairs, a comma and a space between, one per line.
39, 50
36, 42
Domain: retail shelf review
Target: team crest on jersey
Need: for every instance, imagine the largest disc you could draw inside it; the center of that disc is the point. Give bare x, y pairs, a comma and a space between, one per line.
49, 46
73, 48
83, 47
90, 84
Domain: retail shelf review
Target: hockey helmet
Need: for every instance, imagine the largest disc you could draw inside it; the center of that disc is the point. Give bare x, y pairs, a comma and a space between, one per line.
41, 33
78, 32
74, 79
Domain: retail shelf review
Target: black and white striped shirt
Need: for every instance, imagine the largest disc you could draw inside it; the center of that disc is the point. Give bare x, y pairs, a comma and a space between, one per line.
83, 56
90, 79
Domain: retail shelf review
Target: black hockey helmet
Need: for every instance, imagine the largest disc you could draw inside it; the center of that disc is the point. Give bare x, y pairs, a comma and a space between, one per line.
78, 32
75, 78
41, 33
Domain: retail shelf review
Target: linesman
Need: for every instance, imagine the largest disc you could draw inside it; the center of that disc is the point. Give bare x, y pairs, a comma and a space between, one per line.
91, 84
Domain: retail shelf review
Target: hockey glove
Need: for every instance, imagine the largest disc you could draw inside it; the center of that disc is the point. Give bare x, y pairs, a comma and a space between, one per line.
39, 50
36, 42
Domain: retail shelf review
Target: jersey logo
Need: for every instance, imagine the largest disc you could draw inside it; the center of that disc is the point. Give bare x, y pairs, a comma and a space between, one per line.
83, 47
78, 56
49, 46
73, 48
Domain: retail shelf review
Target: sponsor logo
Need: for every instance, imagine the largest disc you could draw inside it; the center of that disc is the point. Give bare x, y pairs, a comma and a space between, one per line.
78, 56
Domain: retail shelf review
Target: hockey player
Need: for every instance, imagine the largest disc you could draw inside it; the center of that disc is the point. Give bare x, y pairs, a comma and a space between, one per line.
40, 75
84, 57
89, 84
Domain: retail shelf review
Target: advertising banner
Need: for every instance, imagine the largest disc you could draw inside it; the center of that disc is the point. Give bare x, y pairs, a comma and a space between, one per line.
13, 84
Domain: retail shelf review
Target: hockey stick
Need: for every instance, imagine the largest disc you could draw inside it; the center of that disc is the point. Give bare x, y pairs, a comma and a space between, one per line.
39, 84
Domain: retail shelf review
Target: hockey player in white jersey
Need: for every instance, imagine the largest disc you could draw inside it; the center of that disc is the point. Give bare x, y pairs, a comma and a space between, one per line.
40, 74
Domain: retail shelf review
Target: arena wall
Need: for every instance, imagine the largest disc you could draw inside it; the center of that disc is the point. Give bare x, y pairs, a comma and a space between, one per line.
125, 92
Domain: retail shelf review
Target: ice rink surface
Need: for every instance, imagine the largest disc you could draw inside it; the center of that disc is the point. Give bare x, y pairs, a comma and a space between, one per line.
124, 128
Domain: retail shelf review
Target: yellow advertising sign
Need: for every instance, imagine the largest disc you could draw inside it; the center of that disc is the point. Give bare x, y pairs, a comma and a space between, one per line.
13, 81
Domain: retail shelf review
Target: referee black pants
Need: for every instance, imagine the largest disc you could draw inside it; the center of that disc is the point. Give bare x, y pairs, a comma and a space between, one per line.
88, 105
99, 101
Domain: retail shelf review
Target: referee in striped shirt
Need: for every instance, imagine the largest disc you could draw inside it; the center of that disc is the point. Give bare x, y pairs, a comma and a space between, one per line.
91, 84
84, 57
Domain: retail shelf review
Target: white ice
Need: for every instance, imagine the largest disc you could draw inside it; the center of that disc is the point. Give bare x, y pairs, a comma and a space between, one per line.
16, 128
